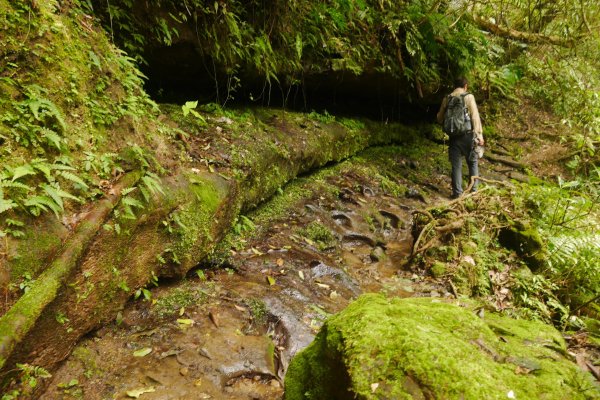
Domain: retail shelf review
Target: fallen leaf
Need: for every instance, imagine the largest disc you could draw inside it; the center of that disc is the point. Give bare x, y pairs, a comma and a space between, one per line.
185, 321
136, 393
204, 353
171, 352
334, 295
181, 311
469, 260
280, 262
301, 275
239, 308
214, 318
374, 387
257, 252
271, 280
322, 285
142, 352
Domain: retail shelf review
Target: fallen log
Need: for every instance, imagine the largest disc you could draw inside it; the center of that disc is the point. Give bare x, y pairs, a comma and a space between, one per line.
505, 160
21, 317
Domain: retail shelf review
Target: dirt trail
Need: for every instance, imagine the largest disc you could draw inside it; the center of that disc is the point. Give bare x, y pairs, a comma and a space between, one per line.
229, 333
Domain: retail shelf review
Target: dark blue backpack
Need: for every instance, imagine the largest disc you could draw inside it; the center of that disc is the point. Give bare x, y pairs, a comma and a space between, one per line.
457, 121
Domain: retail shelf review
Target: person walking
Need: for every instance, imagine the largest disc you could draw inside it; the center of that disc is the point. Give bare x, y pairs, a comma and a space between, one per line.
459, 117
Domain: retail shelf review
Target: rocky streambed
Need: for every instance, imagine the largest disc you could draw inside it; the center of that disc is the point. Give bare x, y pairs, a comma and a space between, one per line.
230, 332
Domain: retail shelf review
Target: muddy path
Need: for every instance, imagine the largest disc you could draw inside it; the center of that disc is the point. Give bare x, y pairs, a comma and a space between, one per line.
228, 332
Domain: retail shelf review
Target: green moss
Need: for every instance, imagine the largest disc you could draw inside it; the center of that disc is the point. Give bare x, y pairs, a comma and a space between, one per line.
31, 251
177, 298
423, 348
468, 247
319, 234
438, 269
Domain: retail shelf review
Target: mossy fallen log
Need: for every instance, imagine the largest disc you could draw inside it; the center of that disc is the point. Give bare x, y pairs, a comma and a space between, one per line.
21, 317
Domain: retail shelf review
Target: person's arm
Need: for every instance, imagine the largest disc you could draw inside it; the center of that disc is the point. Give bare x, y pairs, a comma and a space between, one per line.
475, 120
440, 114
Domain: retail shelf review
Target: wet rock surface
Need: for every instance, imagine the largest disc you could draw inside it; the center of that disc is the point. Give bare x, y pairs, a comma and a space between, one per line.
230, 333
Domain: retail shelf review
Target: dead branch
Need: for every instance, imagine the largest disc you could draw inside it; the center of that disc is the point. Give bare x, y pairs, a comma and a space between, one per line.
452, 226
526, 37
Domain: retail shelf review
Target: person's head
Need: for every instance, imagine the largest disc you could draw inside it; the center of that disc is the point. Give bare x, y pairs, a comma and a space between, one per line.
461, 83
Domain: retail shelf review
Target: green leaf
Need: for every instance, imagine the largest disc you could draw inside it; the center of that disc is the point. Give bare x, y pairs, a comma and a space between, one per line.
22, 171
6, 205
271, 280
36, 204
73, 178
188, 106
138, 392
131, 202
42, 166
142, 352
52, 138
299, 46
58, 194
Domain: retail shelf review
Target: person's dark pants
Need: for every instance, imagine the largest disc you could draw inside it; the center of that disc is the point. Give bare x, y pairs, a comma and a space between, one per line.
460, 147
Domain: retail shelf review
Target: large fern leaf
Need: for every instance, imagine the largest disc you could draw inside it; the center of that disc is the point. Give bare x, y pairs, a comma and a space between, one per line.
6, 204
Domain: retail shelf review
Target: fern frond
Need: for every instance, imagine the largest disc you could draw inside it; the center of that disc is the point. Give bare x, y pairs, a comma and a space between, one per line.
6, 204
57, 194
45, 168
152, 182
37, 204
16, 185
567, 251
73, 178
128, 190
21, 171
52, 138
131, 202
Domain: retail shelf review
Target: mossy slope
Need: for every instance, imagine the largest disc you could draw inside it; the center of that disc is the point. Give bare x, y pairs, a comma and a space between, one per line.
424, 348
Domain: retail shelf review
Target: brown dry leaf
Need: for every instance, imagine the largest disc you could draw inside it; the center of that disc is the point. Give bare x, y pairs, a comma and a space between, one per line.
280, 262
214, 317
522, 370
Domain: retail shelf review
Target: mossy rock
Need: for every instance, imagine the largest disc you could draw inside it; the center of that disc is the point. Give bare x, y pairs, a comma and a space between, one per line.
381, 348
527, 242
438, 269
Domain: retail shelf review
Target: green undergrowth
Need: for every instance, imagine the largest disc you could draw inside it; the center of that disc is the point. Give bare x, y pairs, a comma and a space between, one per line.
74, 118
425, 348
531, 251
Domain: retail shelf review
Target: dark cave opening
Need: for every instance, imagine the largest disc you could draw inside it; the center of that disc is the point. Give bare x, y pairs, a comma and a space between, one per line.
178, 73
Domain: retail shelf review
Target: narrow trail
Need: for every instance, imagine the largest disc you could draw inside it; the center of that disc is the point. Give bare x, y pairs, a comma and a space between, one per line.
229, 333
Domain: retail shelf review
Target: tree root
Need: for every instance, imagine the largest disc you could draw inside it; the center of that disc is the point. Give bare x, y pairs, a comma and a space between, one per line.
438, 226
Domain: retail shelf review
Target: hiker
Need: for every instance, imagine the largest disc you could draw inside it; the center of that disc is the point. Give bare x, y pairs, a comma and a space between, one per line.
460, 120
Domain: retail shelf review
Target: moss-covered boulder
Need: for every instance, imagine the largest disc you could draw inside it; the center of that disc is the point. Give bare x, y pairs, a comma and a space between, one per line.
527, 242
381, 348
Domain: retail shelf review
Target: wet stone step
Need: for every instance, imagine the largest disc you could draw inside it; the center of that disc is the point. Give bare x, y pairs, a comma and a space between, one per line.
342, 219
